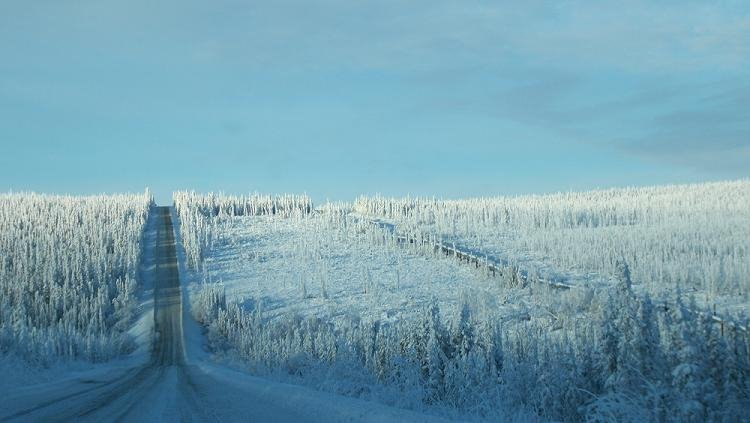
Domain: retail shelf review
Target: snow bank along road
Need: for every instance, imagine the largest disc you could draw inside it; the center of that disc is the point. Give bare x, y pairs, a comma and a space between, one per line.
167, 387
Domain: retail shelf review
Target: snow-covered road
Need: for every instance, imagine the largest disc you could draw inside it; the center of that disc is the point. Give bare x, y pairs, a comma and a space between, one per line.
168, 387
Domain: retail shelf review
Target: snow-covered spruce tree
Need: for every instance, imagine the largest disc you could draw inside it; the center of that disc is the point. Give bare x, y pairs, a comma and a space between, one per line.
715, 361
627, 376
649, 358
688, 371
431, 345
737, 375
611, 338
463, 338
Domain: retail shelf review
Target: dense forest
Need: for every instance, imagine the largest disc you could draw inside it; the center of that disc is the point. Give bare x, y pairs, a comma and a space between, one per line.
68, 275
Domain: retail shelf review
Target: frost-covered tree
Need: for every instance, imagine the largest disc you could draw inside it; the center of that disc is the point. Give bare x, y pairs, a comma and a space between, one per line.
688, 373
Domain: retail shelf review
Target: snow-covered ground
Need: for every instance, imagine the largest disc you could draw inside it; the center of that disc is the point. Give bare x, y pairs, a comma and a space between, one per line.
313, 266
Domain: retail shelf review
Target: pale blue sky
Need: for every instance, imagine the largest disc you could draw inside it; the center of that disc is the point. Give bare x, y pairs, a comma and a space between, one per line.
339, 98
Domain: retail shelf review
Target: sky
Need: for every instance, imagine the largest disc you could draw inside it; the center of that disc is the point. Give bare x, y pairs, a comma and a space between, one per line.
340, 98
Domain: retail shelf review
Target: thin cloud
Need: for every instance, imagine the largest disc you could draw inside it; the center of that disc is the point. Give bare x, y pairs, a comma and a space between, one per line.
710, 134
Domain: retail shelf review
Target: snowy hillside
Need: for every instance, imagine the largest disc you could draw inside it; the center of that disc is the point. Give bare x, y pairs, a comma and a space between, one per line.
695, 238
329, 300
